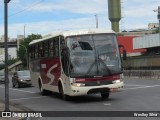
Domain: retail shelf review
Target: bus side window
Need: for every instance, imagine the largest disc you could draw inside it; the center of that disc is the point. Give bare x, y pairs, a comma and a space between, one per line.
36, 51
46, 49
62, 43
41, 50
56, 47
51, 48
33, 52
30, 52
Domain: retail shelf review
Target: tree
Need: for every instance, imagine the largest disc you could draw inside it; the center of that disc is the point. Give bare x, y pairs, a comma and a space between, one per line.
157, 30
23, 48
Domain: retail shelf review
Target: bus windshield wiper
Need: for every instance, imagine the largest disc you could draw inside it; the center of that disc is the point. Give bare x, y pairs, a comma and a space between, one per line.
106, 67
102, 62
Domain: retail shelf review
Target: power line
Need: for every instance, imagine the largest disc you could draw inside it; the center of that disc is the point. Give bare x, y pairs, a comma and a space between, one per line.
26, 9
23, 10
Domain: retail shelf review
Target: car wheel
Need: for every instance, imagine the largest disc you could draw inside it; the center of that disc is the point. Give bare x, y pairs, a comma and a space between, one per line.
105, 95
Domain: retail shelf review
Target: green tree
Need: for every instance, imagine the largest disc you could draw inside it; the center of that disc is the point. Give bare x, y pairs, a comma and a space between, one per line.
12, 61
22, 52
157, 30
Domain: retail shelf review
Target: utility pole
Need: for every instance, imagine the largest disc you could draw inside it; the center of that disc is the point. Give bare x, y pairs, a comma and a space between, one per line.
96, 18
6, 55
24, 31
158, 16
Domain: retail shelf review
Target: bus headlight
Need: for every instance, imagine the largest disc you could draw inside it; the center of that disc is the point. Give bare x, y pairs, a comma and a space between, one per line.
78, 84
116, 81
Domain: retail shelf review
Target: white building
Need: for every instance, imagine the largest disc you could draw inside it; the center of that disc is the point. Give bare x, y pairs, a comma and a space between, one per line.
153, 25
2, 57
12, 52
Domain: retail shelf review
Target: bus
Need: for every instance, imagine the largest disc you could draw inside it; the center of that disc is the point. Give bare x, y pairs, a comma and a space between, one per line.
76, 63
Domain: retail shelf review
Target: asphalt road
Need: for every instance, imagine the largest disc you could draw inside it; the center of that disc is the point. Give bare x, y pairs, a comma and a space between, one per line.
138, 95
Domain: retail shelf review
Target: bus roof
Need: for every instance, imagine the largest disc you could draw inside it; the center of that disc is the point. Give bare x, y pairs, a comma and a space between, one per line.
72, 33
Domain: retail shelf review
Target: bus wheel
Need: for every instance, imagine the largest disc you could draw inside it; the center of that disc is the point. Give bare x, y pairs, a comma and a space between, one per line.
42, 91
105, 95
61, 92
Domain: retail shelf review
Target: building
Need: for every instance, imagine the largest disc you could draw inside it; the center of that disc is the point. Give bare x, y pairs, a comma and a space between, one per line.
153, 25
127, 42
149, 42
2, 57
143, 51
12, 51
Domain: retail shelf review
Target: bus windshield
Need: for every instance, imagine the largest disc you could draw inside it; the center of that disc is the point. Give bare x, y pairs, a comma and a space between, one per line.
94, 55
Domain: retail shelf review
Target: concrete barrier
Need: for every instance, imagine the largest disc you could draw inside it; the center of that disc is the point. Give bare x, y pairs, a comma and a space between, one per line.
142, 73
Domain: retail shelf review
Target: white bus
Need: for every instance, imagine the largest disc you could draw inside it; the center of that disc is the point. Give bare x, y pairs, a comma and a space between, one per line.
75, 63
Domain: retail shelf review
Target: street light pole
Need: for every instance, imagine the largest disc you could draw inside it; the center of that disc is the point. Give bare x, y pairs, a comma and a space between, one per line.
158, 16
6, 54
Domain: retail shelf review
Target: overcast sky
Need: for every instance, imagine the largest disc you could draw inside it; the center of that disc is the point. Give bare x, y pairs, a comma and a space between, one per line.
46, 16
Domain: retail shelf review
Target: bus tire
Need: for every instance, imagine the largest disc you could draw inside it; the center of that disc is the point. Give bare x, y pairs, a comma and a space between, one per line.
42, 91
105, 95
61, 92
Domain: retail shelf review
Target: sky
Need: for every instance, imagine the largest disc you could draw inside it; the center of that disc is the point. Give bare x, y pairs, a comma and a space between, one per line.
46, 16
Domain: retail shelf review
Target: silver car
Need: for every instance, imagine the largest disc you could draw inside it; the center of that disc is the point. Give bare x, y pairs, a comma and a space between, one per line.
2, 77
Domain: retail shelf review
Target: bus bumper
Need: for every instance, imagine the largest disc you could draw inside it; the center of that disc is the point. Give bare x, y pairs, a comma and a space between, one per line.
79, 91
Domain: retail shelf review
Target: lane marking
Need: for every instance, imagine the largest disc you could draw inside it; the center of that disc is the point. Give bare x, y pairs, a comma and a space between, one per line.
18, 90
27, 98
107, 104
141, 87
133, 85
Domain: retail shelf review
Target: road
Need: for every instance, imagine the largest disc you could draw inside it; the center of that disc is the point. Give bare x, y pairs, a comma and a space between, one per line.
138, 95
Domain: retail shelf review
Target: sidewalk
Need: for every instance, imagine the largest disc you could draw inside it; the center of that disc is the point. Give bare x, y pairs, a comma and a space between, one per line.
12, 108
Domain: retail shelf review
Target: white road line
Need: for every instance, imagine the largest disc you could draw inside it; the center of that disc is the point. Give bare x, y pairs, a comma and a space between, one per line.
19, 90
27, 98
133, 85
141, 87
107, 104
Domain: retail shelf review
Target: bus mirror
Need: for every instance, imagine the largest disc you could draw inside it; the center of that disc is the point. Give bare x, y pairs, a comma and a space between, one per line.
124, 55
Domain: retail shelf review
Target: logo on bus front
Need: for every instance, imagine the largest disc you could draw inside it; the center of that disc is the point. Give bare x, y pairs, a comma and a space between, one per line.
98, 82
